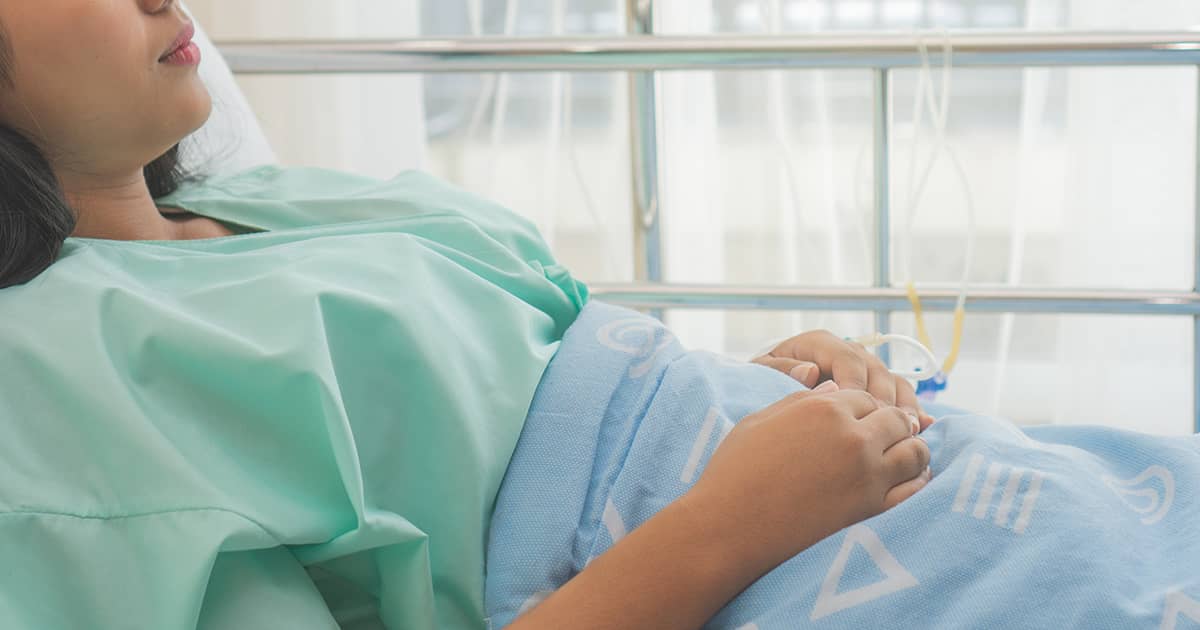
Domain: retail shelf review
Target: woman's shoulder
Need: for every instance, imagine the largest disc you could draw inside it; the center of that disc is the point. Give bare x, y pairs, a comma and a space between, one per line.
408, 193
277, 197
279, 183
276, 182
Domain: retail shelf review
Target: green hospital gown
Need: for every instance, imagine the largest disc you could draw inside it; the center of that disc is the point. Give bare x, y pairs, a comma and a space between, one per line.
295, 429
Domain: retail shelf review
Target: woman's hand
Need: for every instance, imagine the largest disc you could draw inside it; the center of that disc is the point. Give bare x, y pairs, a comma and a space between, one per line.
784, 479
820, 356
810, 466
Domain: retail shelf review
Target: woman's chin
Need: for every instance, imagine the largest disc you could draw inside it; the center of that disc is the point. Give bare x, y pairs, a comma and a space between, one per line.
193, 112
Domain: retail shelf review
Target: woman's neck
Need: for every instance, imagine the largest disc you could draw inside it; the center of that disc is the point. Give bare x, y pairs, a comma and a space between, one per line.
117, 208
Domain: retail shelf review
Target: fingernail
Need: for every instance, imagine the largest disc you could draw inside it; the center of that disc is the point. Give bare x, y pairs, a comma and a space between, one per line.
916, 424
828, 387
800, 372
928, 474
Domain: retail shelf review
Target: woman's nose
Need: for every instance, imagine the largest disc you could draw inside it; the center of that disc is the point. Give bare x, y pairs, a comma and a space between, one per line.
155, 6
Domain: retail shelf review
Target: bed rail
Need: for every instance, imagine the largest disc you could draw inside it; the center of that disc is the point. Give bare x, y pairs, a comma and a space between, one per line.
652, 53
981, 300
641, 54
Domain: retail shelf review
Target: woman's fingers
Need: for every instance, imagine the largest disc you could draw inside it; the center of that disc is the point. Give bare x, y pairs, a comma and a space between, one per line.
881, 383
848, 367
906, 460
787, 403
847, 404
805, 372
905, 491
855, 367
890, 426
860, 404
820, 356
906, 397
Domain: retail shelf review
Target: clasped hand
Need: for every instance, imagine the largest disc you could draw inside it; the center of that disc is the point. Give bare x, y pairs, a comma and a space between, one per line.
816, 357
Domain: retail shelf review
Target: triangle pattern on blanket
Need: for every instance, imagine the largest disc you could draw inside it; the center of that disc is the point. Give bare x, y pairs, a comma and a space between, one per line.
895, 577
861, 571
1180, 607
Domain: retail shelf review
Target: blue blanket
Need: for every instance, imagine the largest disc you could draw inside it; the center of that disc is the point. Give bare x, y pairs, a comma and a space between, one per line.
1050, 527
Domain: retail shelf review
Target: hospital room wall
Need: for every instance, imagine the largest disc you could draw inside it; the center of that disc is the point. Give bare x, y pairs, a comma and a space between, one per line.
1090, 171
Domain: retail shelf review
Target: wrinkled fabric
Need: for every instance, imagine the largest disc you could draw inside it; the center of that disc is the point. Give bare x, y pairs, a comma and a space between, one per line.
1052, 527
292, 429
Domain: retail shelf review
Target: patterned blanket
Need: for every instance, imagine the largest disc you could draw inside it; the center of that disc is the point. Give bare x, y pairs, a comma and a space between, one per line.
1052, 527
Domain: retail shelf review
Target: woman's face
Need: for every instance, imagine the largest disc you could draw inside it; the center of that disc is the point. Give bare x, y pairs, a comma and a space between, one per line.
89, 82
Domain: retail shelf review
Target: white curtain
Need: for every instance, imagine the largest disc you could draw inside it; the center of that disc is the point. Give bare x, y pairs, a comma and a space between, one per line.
1131, 164
369, 125
693, 224
554, 147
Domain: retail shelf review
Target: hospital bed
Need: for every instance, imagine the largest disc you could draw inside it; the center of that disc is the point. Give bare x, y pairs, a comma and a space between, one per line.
642, 56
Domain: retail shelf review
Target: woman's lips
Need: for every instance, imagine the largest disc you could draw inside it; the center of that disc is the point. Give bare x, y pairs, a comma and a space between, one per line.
183, 51
189, 55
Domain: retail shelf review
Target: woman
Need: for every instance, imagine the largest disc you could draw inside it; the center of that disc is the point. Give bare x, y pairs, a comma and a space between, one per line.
289, 398
81, 121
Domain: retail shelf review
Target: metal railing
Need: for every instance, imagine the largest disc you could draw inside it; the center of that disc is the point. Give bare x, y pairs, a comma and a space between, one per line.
641, 54
634, 53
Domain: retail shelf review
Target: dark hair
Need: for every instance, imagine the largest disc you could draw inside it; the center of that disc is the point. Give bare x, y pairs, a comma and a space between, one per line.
35, 218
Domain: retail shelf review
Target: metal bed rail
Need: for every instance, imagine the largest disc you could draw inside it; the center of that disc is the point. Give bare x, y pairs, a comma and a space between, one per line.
981, 300
642, 54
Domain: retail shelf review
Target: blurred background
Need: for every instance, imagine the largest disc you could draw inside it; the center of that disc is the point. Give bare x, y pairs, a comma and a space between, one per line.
1082, 177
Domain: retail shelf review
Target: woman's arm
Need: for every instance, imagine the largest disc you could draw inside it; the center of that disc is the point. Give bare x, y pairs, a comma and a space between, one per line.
675, 571
784, 479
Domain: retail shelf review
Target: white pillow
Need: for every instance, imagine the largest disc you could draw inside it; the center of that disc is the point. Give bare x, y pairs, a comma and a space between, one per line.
232, 140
